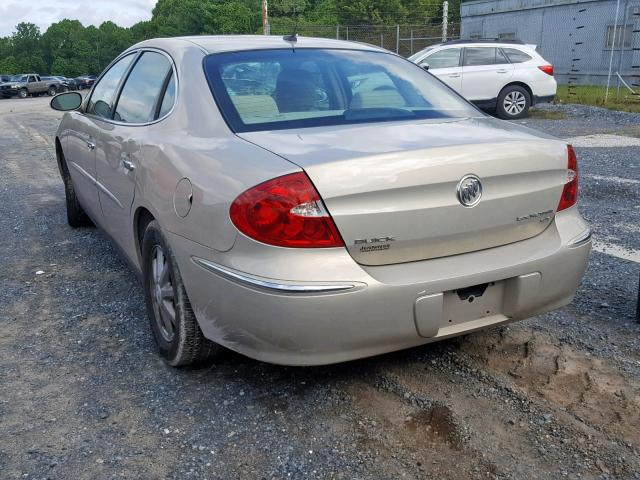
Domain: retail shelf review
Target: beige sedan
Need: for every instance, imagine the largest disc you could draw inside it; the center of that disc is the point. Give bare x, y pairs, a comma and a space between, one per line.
307, 201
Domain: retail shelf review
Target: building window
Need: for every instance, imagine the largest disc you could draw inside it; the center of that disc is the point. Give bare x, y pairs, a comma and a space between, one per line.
507, 36
623, 36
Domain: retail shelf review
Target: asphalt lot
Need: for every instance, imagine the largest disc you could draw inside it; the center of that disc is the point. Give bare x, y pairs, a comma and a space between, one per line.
83, 394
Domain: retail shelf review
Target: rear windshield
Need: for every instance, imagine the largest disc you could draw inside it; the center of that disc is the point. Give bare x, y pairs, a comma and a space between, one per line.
285, 89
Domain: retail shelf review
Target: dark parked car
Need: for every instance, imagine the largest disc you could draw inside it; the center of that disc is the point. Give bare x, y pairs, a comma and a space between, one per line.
85, 81
67, 83
4, 78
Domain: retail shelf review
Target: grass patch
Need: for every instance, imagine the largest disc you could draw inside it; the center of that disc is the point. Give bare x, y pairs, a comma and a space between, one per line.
594, 95
546, 114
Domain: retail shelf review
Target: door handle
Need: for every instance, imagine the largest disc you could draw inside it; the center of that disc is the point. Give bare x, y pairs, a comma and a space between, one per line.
91, 145
454, 75
128, 164
502, 71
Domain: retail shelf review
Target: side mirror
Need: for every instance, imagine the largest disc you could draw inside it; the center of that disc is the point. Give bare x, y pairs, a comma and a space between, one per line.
66, 101
425, 65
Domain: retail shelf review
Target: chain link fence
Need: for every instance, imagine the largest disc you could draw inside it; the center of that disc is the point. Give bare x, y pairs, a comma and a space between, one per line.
402, 39
594, 46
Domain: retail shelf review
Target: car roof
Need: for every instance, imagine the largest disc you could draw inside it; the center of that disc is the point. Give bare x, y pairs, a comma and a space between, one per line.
486, 43
229, 43
483, 41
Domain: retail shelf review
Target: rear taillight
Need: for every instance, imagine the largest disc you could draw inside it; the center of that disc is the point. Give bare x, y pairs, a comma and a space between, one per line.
287, 212
548, 69
570, 191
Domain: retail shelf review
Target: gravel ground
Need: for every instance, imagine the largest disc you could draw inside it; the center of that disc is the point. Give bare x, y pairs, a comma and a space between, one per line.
83, 394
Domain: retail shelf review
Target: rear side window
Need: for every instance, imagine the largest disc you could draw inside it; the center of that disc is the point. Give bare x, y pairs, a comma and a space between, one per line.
501, 58
104, 93
169, 97
142, 89
476, 56
447, 58
516, 56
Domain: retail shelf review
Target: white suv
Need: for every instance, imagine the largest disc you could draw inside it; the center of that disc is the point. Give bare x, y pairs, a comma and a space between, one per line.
505, 76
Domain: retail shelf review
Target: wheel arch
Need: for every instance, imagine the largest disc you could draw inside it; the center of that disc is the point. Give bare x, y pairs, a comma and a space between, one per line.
519, 84
62, 165
141, 218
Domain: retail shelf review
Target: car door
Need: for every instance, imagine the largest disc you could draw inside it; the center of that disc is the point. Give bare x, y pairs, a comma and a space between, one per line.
79, 140
33, 84
485, 70
119, 141
445, 64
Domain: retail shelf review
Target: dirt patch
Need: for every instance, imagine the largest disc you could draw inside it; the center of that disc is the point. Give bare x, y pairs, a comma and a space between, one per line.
546, 114
414, 439
594, 390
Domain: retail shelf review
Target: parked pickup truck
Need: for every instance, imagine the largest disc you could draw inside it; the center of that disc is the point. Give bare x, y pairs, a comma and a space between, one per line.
29, 84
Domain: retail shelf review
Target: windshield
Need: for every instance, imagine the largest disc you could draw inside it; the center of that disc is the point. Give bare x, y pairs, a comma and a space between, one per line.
18, 78
282, 89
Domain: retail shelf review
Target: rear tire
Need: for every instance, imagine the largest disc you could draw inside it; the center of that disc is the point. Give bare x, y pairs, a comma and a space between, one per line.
513, 102
173, 323
52, 91
76, 216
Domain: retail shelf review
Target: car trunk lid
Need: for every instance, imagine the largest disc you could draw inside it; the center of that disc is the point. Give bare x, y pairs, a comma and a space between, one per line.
391, 188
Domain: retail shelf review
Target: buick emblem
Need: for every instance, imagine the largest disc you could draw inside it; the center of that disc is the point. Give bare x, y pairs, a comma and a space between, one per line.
469, 190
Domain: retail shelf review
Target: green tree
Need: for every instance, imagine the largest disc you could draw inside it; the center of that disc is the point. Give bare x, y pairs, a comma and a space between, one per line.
67, 50
179, 17
109, 42
371, 12
230, 17
26, 48
143, 31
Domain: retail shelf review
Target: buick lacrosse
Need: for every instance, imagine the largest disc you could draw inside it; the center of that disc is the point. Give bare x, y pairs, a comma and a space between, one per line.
310, 201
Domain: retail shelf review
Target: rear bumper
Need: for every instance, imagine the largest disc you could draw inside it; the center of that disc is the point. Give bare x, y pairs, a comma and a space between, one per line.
543, 99
381, 309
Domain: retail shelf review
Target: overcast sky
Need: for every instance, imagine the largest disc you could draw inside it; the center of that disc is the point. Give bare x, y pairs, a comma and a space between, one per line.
90, 12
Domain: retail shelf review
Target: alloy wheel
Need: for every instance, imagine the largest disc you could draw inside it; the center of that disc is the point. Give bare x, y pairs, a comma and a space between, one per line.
514, 102
162, 296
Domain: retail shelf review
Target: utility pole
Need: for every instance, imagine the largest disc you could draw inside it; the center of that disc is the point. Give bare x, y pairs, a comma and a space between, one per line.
613, 47
445, 20
265, 18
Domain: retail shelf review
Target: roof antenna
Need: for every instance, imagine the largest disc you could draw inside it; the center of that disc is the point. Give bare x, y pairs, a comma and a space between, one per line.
293, 38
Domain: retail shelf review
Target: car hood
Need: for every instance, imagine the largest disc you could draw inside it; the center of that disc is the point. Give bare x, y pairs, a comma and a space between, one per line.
10, 84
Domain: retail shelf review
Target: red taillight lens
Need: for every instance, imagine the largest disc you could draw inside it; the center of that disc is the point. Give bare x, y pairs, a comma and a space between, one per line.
285, 211
570, 191
548, 69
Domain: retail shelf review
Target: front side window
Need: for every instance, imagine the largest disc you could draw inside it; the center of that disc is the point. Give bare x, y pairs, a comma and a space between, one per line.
476, 56
447, 58
142, 89
516, 56
104, 93
282, 89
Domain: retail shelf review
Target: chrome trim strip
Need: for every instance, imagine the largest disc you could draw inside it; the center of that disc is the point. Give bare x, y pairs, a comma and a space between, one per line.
581, 239
95, 182
106, 191
83, 172
277, 286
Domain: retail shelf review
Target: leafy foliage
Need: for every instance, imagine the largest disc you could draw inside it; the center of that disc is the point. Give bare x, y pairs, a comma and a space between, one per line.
68, 48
